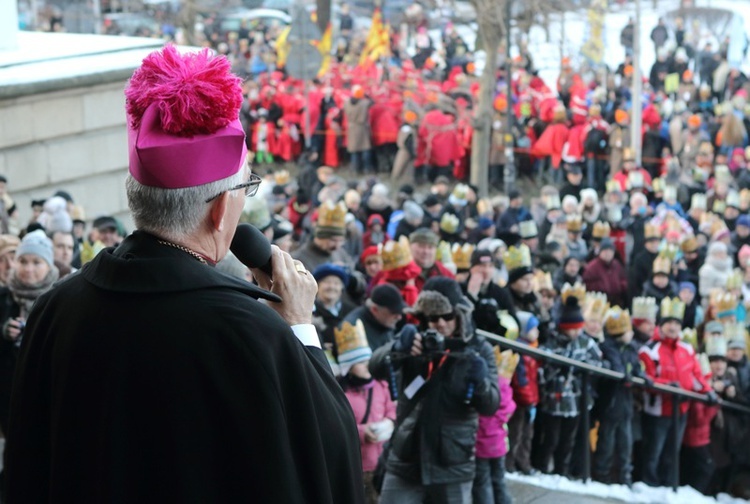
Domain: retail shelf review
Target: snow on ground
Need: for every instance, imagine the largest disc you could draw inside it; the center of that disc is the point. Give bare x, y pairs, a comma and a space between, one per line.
640, 493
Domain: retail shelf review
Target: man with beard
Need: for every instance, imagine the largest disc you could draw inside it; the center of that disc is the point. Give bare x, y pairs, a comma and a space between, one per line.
643, 261
327, 243
487, 296
667, 360
380, 315
423, 244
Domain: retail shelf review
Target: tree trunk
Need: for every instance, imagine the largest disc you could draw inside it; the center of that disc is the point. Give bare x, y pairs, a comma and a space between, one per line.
480, 143
187, 18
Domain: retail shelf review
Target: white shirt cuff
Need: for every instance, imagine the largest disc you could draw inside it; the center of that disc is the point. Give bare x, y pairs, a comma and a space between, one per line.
307, 334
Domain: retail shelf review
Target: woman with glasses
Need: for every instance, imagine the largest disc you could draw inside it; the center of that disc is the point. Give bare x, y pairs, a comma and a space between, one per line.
152, 377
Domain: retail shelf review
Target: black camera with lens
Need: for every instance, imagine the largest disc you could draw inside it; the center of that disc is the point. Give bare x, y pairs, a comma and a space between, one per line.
432, 342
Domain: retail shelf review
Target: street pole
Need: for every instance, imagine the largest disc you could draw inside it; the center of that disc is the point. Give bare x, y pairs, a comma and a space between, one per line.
509, 175
635, 116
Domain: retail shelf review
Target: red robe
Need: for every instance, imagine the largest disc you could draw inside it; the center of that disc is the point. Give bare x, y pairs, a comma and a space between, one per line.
331, 141
551, 143
384, 122
438, 141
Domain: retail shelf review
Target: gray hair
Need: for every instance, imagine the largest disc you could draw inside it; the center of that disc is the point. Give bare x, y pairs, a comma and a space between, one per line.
174, 213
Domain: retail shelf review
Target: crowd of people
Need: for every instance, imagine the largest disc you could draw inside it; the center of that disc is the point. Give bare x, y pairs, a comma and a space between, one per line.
639, 268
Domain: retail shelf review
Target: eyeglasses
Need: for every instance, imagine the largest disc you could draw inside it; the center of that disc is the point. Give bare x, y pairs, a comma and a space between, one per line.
445, 316
250, 187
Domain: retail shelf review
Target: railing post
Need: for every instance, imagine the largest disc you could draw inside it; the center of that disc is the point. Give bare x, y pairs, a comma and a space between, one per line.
585, 425
677, 442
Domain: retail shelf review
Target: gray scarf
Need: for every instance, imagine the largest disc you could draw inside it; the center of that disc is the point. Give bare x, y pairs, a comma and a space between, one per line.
24, 294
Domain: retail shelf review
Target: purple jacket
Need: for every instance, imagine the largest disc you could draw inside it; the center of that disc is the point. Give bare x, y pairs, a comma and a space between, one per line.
382, 407
492, 436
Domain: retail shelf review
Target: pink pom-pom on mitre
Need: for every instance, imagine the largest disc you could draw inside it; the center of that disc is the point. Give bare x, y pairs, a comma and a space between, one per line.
196, 92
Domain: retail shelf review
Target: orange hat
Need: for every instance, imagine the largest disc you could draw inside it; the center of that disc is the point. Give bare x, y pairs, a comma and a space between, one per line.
621, 116
470, 68
566, 61
694, 121
429, 63
410, 116
687, 75
628, 70
408, 94
358, 92
501, 104
432, 97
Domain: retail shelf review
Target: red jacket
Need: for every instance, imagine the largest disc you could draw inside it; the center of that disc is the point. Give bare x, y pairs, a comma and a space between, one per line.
698, 428
384, 122
527, 394
551, 143
669, 360
607, 278
437, 270
438, 141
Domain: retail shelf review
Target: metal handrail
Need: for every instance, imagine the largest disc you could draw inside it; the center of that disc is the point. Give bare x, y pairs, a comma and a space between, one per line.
678, 394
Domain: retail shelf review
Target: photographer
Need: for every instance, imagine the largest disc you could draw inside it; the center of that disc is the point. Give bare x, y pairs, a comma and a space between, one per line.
445, 376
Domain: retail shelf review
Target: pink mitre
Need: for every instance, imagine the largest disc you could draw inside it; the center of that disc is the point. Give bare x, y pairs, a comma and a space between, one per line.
183, 120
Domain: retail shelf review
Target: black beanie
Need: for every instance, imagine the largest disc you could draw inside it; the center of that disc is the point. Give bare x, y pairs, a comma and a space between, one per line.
517, 273
449, 288
571, 316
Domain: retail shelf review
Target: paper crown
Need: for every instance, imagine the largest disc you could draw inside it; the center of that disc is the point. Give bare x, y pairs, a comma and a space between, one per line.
735, 332
744, 199
183, 120
617, 321
689, 245
669, 251
722, 173
613, 186
735, 279
635, 180
552, 201
724, 303
601, 230
527, 229
395, 254
449, 223
461, 191
690, 336
657, 184
628, 154
671, 223
509, 323
719, 206
443, 253
577, 291
672, 308
574, 223
645, 308
281, 177
461, 255
733, 199
595, 306
517, 257
542, 281
506, 362
484, 206
698, 202
331, 217
716, 346
670, 193
662, 266
651, 231
351, 343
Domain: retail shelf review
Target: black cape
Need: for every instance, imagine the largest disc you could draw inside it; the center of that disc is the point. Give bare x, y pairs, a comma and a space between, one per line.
149, 377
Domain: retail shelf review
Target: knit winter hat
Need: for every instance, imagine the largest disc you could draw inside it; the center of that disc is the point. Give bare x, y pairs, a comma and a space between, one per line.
412, 211
571, 316
526, 322
36, 243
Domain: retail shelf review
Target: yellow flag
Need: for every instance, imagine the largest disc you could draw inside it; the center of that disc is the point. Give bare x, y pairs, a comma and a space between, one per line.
324, 47
374, 38
282, 47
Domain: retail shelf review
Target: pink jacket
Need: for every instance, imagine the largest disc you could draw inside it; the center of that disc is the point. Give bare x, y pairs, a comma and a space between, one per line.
492, 436
382, 407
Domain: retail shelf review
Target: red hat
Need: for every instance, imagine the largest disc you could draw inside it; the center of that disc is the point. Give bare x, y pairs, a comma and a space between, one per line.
372, 250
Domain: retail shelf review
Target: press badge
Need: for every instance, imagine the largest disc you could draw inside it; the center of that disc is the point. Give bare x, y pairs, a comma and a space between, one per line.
414, 386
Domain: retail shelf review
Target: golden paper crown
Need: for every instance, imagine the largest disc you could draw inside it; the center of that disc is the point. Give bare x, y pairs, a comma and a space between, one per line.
670, 193
719, 206
577, 291
635, 180
484, 207
669, 251
461, 191
350, 337
698, 202
744, 199
722, 173
628, 154
613, 186
724, 303
527, 229
461, 255
517, 257
595, 306
735, 279
651, 231
716, 346
443, 253
617, 321
395, 254
672, 308
662, 265
449, 223
77, 213
509, 323
657, 184
733, 199
332, 215
552, 201
574, 223
735, 332
281, 177
506, 362
690, 336
645, 308
601, 230
542, 281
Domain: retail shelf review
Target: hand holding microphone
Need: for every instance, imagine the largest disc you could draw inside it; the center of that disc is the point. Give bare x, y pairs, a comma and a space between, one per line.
277, 272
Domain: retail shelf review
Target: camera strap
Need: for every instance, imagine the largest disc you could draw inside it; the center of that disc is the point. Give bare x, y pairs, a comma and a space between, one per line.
440, 364
369, 404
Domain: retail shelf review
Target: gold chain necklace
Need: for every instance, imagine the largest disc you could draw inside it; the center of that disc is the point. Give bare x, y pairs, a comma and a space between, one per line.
184, 249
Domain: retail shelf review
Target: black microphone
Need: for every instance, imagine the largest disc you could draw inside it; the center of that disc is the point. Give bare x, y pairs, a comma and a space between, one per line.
252, 248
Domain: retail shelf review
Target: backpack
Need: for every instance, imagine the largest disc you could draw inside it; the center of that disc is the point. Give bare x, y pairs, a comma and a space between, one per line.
596, 142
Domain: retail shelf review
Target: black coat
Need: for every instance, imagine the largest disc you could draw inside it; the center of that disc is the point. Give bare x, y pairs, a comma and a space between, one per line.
615, 399
486, 305
149, 377
377, 334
